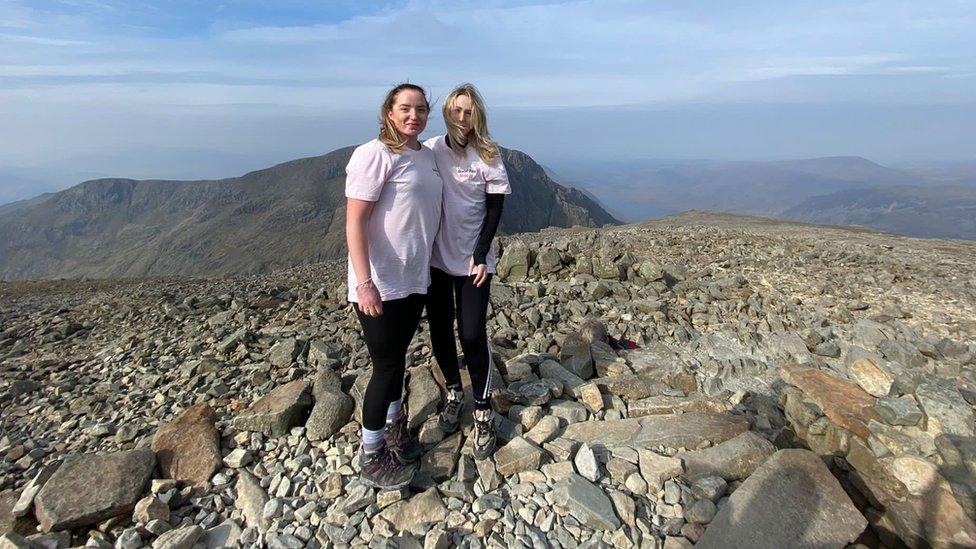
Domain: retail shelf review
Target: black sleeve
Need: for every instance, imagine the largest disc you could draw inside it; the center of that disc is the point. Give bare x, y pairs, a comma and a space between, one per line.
493, 215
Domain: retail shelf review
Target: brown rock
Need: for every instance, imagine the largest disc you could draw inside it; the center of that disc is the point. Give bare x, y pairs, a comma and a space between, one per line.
8, 522
188, 448
843, 402
517, 456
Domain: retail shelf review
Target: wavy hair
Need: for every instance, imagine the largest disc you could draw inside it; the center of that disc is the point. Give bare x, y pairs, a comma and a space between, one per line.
479, 138
389, 135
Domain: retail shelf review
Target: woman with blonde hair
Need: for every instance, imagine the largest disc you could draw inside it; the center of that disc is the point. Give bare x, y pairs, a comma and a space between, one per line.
393, 208
462, 264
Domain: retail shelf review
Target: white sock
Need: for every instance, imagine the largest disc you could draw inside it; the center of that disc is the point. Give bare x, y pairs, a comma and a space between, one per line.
394, 409
372, 440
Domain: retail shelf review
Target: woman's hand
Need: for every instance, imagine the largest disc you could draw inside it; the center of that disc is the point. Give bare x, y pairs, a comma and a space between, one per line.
369, 300
480, 273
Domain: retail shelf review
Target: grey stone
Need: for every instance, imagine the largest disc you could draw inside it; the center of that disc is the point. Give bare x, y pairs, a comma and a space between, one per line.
574, 355
701, 512
792, 500
251, 499
423, 396
898, 411
587, 502
709, 487
284, 352
225, 534
91, 488
515, 261
331, 411
550, 369
734, 459
548, 261
586, 464
277, 412
179, 538
945, 408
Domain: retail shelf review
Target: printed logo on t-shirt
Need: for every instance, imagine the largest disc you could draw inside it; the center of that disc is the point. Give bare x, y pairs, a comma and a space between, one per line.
464, 174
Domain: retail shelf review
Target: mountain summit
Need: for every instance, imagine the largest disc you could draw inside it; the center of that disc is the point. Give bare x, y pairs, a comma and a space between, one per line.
289, 214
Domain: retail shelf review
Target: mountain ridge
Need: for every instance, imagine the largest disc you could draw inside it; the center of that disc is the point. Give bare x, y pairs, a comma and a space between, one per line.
256, 222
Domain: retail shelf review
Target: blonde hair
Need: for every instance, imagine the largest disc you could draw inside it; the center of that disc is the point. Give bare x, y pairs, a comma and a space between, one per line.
389, 135
479, 138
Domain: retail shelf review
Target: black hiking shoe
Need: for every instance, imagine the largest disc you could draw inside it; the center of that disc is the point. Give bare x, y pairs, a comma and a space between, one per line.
450, 417
484, 433
397, 436
381, 469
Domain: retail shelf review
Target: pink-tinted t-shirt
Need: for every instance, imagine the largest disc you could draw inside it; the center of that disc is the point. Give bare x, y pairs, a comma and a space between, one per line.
407, 190
466, 180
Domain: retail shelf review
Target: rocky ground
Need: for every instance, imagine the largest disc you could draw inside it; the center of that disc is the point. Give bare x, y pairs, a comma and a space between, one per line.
795, 386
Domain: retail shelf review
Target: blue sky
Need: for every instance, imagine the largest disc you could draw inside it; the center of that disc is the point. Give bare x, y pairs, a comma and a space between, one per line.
275, 80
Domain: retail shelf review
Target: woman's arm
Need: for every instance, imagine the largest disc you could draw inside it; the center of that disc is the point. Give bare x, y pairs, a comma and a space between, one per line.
493, 216
357, 219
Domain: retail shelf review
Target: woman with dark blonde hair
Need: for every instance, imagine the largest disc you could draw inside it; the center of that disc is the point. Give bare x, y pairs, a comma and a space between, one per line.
393, 209
462, 264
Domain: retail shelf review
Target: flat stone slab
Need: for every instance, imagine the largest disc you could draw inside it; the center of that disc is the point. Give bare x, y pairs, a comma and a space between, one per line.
587, 502
688, 430
632, 386
666, 404
188, 448
91, 488
846, 404
793, 501
277, 412
734, 459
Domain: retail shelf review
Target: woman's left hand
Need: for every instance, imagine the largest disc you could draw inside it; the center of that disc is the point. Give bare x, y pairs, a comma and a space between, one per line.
480, 273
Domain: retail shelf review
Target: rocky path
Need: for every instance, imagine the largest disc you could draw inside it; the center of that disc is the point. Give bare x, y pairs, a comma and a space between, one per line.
794, 387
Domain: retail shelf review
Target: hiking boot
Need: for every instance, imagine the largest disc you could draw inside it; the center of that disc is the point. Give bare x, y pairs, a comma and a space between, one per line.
397, 436
484, 433
450, 417
381, 469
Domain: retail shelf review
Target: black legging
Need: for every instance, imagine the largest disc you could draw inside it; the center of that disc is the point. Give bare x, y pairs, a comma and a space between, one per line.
387, 338
471, 302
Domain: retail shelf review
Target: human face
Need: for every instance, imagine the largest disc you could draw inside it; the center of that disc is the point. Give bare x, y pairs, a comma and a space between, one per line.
409, 113
462, 112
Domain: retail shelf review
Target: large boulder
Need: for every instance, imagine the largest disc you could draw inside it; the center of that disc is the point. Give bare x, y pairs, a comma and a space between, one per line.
277, 412
188, 448
793, 501
91, 488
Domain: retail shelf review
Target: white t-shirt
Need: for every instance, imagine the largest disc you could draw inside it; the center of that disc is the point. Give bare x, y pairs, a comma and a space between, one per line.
407, 190
466, 180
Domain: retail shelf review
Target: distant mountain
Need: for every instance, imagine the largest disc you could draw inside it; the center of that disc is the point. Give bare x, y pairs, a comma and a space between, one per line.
785, 189
285, 215
944, 212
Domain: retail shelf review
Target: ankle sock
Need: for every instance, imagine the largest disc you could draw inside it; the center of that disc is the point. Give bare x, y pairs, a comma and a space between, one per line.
372, 440
393, 409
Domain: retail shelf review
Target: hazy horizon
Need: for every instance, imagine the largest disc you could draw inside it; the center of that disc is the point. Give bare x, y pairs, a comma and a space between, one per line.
216, 90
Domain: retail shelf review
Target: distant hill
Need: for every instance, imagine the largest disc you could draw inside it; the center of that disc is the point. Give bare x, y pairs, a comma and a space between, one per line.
945, 212
289, 214
806, 190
